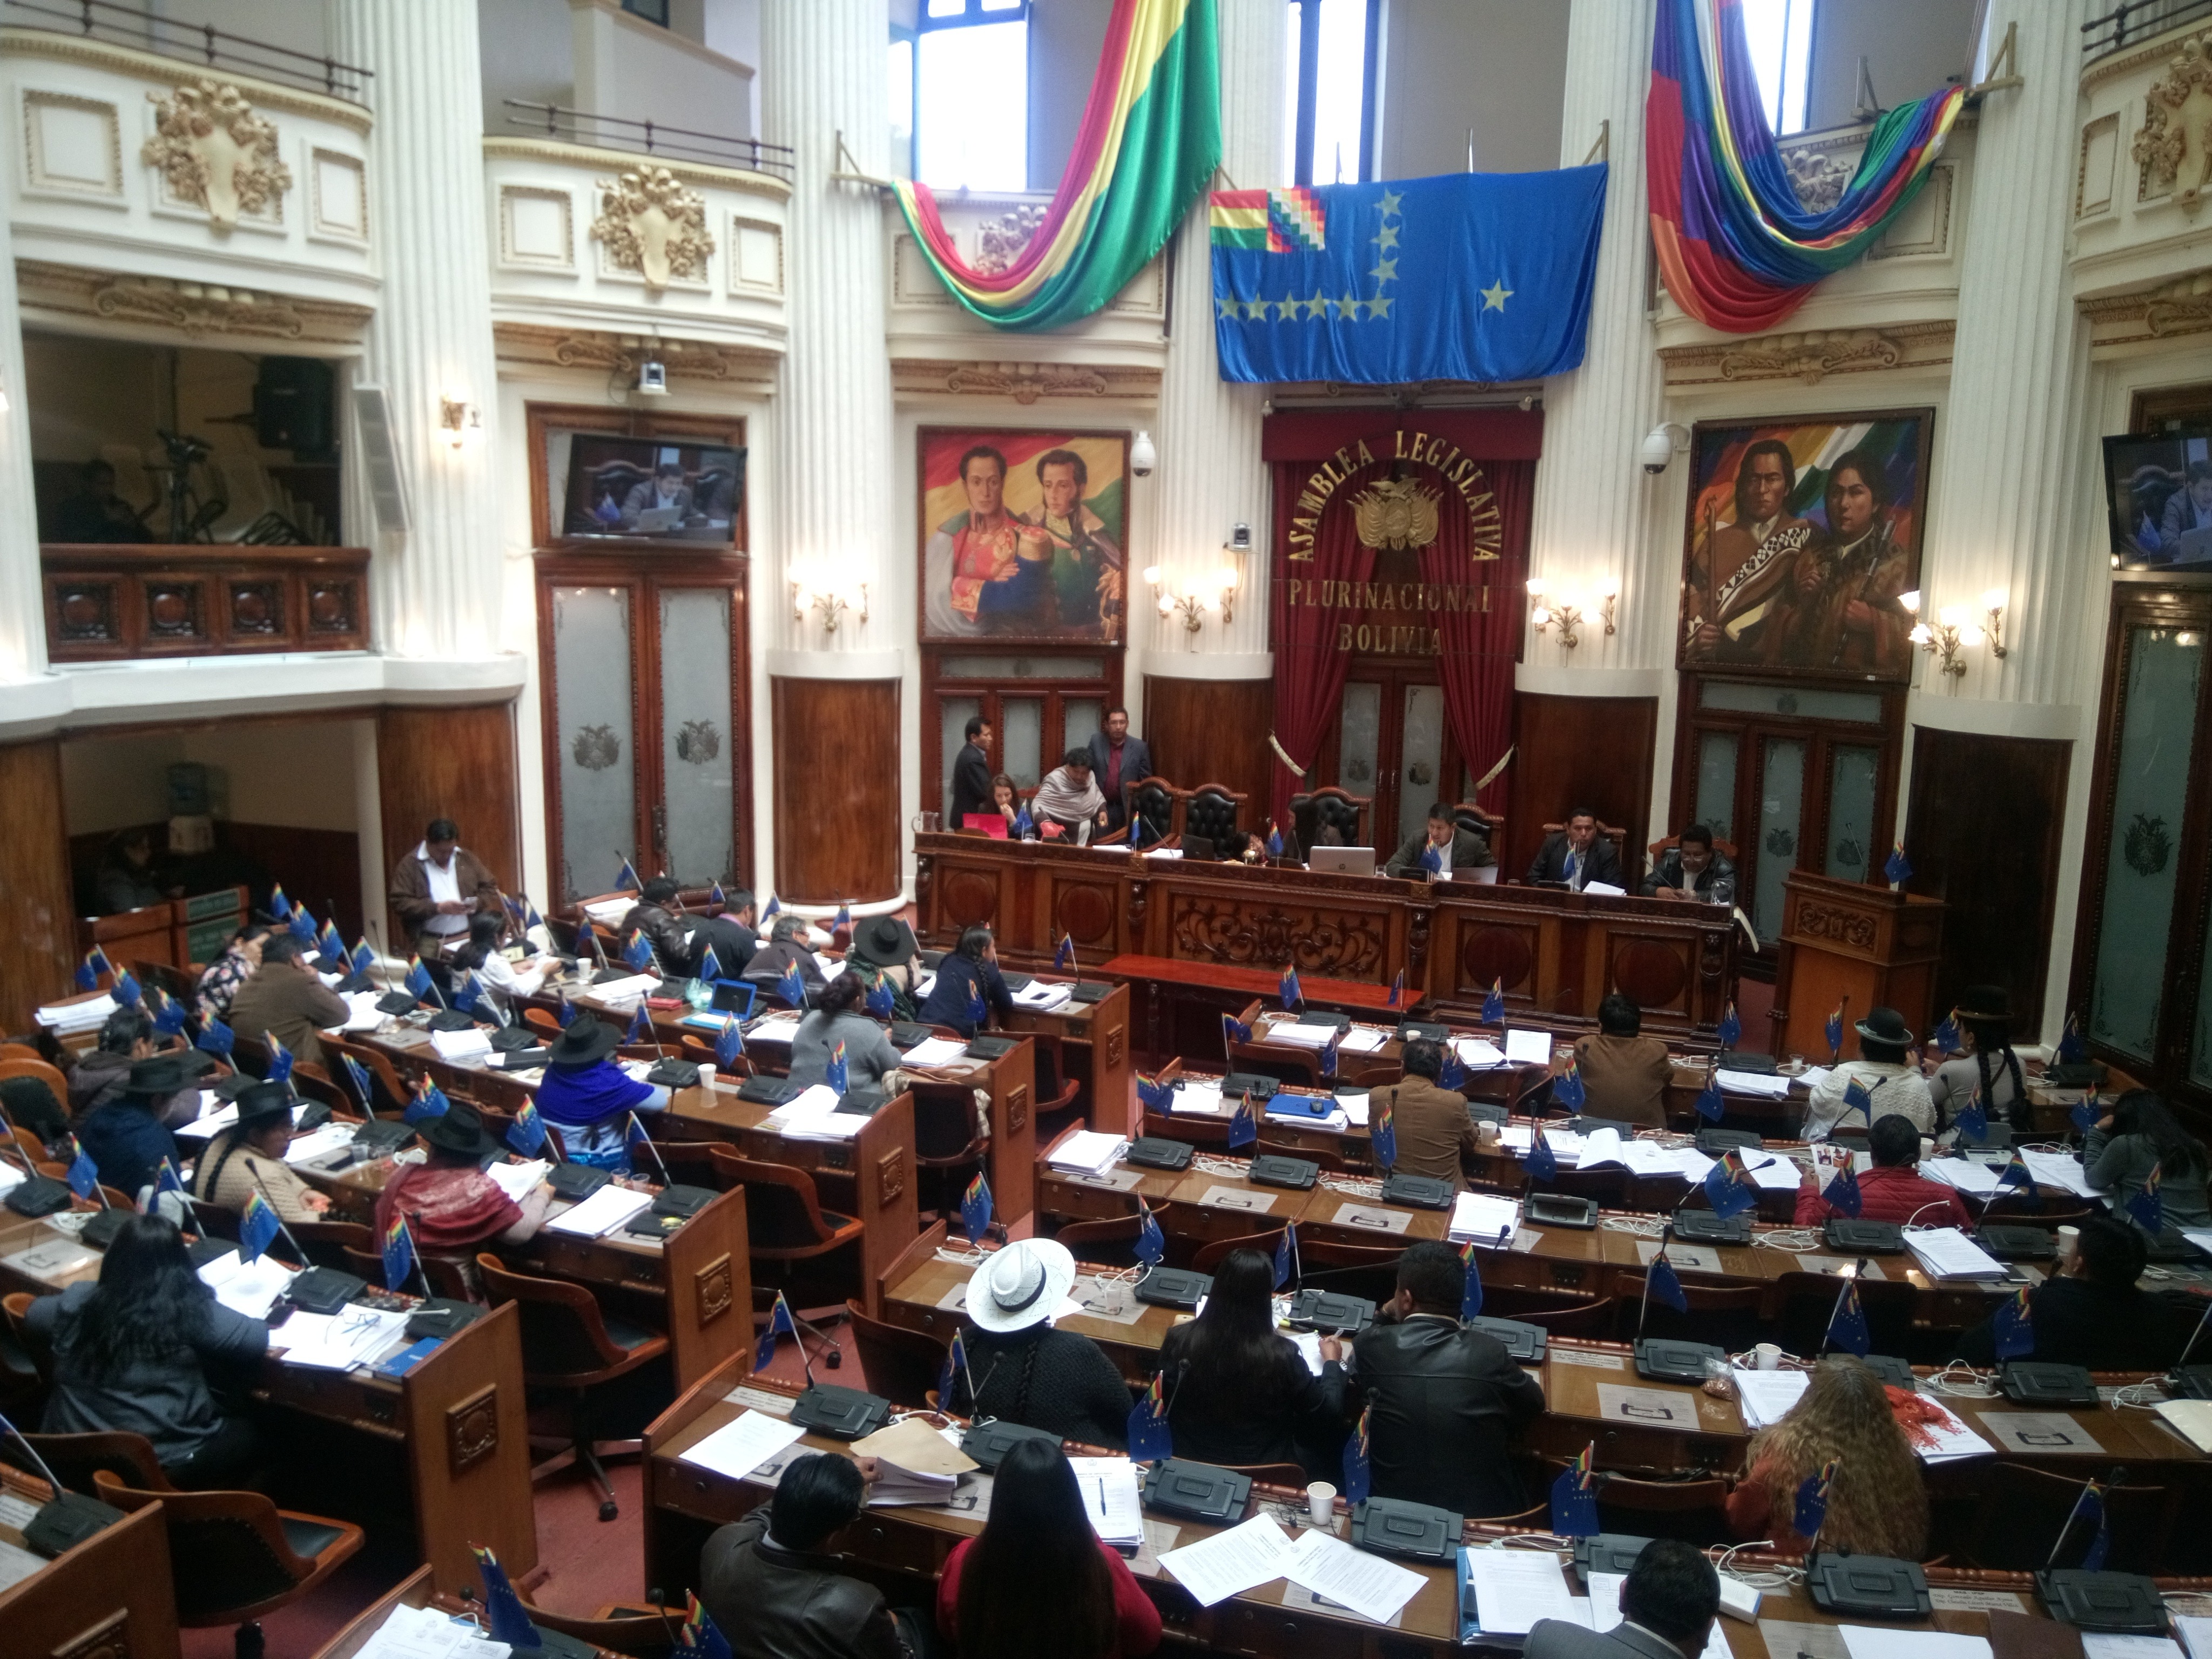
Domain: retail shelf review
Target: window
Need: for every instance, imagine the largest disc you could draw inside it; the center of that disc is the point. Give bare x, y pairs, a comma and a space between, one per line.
1780, 35
1328, 116
971, 98
901, 89
653, 11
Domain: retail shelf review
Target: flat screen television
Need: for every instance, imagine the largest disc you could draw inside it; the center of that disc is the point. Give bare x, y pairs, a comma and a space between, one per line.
2159, 488
630, 490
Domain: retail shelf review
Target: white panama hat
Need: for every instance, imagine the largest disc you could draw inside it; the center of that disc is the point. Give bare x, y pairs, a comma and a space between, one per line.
1021, 1284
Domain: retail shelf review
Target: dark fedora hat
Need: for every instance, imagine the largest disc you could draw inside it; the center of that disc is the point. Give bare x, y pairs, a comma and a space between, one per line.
260, 1104
158, 1078
1986, 1002
883, 942
583, 1041
1884, 1025
457, 1129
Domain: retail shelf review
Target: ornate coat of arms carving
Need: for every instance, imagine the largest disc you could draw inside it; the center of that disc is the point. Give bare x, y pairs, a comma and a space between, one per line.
2173, 147
655, 226
596, 747
1393, 512
698, 742
213, 150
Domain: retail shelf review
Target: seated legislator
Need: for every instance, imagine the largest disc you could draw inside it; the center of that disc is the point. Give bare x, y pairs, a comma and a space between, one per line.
837, 1018
733, 934
504, 981
1625, 1074
785, 947
1448, 1399
1007, 802
125, 1038
287, 999
1243, 1392
220, 982
1986, 1063
1069, 797
1576, 855
435, 889
1037, 1569
654, 915
249, 1157
125, 1138
771, 1589
587, 1098
132, 1354
883, 952
1877, 1504
1458, 849
1892, 1189
2090, 1311
451, 1205
2138, 1135
1891, 1083
1027, 1373
1430, 1122
1670, 1603
1692, 868
968, 965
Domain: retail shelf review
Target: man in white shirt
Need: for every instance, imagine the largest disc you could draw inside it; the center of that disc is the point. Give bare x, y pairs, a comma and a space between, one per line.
1891, 1084
435, 889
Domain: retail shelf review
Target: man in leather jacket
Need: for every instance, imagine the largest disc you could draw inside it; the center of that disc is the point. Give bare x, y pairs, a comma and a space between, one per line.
771, 1594
652, 914
1448, 1399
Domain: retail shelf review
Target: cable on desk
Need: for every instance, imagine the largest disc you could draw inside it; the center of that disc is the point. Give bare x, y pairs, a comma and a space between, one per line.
1960, 1381
960, 1258
1764, 1578
1794, 1239
2139, 1396
1534, 1540
1644, 1226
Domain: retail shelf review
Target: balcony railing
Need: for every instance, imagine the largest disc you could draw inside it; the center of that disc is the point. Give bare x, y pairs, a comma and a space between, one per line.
203, 43
574, 126
2133, 21
111, 603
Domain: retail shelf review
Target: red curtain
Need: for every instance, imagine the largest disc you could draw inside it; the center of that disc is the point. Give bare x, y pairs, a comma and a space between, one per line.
1480, 647
1310, 669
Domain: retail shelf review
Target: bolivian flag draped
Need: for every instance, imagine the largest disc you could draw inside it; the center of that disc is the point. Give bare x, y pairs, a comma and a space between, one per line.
1738, 250
1150, 141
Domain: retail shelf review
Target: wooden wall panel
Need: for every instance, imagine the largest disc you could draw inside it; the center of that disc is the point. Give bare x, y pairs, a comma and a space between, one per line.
37, 917
1579, 752
1213, 731
1983, 832
457, 764
836, 789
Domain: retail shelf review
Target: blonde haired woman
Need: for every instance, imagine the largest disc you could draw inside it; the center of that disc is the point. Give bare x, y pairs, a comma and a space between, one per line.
1876, 1504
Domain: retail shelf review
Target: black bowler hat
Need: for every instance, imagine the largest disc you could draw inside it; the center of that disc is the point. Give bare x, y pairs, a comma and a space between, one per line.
456, 1129
1884, 1025
583, 1041
883, 942
158, 1078
1991, 1003
262, 1103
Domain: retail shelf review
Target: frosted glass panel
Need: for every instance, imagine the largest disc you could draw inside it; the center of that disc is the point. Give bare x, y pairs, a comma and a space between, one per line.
598, 755
1716, 753
1079, 718
2150, 785
1419, 780
1851, 813
1802, 701
1781, 809
1022, 742
699, 749
1021, 668
1359, 734
953, 714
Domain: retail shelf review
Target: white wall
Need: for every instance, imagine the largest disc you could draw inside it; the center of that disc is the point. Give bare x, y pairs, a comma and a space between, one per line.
1499, 66
1909, 49
527, 54
1066, 37
297, 773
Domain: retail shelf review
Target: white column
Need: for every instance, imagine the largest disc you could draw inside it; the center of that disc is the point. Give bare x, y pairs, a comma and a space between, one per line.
437, 585
23, 603
2001, 502
821, 71
1210, 475
1594, 504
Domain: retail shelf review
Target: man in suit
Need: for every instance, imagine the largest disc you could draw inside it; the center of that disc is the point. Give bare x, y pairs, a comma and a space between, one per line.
665, 490
1625, 1073
1667, 1606
285, 999
1448, 1399
971, 774
1119, 763
1456, 848
734, 933
771, 1583
1576, 855
1693, 869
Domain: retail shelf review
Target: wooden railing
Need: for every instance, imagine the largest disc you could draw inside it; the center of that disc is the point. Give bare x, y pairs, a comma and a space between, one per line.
107, 604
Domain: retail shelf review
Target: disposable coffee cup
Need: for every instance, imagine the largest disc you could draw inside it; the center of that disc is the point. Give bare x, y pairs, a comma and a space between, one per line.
2069, 1240
1321, 1504
1769, 1357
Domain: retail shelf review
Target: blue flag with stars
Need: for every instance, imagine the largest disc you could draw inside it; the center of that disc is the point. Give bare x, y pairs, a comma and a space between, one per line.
83, 1173
1151, 1243
790, 986
1842, 1193
955, 1361
1713, 1105
1462, 276
780, 1323
1847, 1323
1243, 1128
1286, 1251
729, 1043
1664, 1286
1470, 1284
1730, 1029
215, 1038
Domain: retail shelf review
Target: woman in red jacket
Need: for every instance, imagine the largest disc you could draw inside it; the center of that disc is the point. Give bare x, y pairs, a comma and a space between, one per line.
1038, 1567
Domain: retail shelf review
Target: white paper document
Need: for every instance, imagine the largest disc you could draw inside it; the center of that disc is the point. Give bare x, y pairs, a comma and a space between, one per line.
1089, 1151
1529, 1048
1479, 1054
602, 1212
2097, 1646
2196, 1635
456, 1047
1968, 1174
1752, 1083
1305, 1037
69, 1017
516, 1180
1871, 1642
1229, 1563
1355, 1108
339, 1341
426, 1634
1600, 1148
1478, 1218
1605, 889
2060, 1170
1198, 1095
1948, 1438
328, 1138
1767, 1396
1771, 1173
1947, 1253
934, 1051
1361, 1040
1513, 1588
2048, 1432
248, 1287
740, 1447
1109, 1485
1043, 994
1370, 1586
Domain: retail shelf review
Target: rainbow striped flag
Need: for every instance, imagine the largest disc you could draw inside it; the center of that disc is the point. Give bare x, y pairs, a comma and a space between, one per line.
1277, 221
1150, 141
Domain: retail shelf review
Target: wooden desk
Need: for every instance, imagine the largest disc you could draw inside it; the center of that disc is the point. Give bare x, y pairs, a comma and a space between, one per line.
111, 1595
1095, 1050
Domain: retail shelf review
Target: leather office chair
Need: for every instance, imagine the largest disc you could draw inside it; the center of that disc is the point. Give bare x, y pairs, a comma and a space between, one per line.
786, 1225
571, 1346
1212, 810
642, 1634
1269, 1059
1159, 803
448, 1275
1489, 825
1726, 1315
949, 1145
1557, 1311
77, 1459
1291, 1476
45, 1073
900, 1365
387, 1089
1209, 1255
327, 1242
1630, 874
1331, 1161
1667, 844
1112, 1243
235, 1556
543, 1021
18, 1051
1807, 1302
1368, 1270
1334, 809
2023, 1509
1693, 1511
1056, 1091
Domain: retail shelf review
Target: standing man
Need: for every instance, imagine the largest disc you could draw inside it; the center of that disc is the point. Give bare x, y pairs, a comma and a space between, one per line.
971, 774
1736, 577
1457, 848
435, 889
1576, 855
1119, 763
1692, 869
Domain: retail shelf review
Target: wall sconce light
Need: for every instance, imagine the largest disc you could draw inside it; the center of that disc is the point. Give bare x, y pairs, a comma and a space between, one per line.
1200, 594
1950, 634
1569, 609
1993, 605
461, 421
816, 588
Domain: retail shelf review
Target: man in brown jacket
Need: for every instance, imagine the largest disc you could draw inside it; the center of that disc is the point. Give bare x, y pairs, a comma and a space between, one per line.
284, 998
1624, 1075
1431, 1124
435, 889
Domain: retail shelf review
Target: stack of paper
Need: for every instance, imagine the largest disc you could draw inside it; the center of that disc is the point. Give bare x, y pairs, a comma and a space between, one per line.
1229, 1563
1875, 1642
1479, 1054
248, 1287
2060, 1170
1306, 1037
428, 1633
608, 913
1945, 1439
1362, 1040
1354, 1108
456, 1048
1967, 1174
328, 1138
914, 1464
602, 1212
2189, 1418
69, 1019
624, 994
1371, 1586
1771, 1085
1043, 994
1772, 1173
1517, 1138
1198, 1094
1766, 1397
1528, 1048
339, 1341
1088, 1152
1947, 1253
804, 1110
1513, 1588
1479, 1218
1566, 1147
516, 1180
934, 1051
1600, 1148
1109, 1485
740, 1447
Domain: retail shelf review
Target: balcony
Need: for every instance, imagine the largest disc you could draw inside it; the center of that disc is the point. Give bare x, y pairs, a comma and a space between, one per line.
2142, 169
112, 604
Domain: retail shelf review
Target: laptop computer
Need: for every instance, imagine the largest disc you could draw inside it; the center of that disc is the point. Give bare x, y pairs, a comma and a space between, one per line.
1341, 860
658, 520
1201, 847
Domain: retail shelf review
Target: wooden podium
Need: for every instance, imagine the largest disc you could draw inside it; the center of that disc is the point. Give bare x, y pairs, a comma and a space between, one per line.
1865, 946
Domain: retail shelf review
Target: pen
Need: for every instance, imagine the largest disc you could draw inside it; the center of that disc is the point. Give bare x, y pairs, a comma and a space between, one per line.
1102, 1494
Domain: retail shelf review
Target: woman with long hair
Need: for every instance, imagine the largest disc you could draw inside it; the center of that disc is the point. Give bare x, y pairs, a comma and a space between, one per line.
1877, 1505
220, 983
133, 1352
2138, 1137
1007, 802
835, 1019
482, 957
1037, 1578
1239, 1391
1987, 1066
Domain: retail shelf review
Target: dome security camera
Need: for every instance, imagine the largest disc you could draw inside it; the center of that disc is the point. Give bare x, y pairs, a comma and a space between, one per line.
1143, 457
1657, 450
